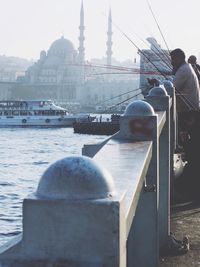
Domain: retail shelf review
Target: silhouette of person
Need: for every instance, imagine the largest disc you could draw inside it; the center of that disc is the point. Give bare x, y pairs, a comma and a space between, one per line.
185, 82
193, 61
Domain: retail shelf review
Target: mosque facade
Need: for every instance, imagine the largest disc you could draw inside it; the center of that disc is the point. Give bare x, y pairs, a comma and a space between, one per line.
55, 75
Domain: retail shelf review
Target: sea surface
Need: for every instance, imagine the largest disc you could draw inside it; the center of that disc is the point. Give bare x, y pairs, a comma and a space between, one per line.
25, 153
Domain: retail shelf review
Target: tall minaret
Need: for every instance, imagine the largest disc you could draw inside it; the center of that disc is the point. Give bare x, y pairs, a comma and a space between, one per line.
109, 42
81, 48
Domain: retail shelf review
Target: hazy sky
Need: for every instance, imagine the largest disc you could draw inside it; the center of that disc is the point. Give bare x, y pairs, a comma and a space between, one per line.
29, 26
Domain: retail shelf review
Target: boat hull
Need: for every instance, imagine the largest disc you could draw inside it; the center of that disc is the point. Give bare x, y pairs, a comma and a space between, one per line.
29, 121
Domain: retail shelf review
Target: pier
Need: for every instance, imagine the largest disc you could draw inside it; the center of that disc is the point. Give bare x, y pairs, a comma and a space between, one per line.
111, 206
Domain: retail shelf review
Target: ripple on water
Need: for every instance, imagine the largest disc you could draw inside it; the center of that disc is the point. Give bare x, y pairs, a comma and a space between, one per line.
6, 184
10, 234
40, 162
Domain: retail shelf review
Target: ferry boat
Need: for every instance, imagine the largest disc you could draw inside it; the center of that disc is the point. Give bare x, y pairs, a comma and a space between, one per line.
34, 113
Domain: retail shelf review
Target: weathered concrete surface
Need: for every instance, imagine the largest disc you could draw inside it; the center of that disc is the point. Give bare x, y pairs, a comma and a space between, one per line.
185, 220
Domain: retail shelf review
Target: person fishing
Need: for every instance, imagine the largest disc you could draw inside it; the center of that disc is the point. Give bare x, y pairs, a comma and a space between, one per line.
193, 61
185, 82
187, 91
187, 96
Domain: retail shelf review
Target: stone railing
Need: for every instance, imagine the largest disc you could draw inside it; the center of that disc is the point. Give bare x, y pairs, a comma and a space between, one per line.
109, 211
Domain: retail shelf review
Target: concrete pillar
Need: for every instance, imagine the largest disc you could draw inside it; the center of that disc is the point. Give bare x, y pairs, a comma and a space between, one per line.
73, 219
139, 123
160, 101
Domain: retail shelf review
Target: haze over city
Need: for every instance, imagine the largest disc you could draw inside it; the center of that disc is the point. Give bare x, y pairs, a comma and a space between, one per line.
27, 27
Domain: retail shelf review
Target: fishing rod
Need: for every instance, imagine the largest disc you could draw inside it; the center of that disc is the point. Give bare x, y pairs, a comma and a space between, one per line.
124, 34
123, 101
139, 50
158, 25
136, 89
107, 67
127, 73
160, 51
184, 98
115, 67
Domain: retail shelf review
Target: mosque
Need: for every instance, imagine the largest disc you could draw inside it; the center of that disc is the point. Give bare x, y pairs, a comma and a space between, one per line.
61, 74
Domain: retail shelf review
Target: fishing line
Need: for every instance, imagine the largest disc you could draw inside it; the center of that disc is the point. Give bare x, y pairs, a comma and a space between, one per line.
124, 101
136, 89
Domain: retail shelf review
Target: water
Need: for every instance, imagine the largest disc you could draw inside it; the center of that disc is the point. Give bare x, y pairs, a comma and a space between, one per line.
25, 155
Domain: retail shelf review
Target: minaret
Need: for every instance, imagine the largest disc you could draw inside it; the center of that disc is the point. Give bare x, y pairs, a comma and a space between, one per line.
109, 42
81, 48
81, 60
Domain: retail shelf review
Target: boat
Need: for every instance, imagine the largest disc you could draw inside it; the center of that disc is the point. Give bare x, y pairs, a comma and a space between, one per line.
108, 127
34, 113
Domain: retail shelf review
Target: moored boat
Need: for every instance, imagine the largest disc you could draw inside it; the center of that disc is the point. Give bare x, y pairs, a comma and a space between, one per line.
34, 113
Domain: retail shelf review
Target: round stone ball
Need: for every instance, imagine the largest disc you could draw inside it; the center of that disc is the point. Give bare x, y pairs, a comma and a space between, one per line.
139, 108
168, 84
75, 178
158, 91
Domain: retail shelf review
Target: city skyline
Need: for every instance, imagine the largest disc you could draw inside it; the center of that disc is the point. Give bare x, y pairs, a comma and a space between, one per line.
27, 27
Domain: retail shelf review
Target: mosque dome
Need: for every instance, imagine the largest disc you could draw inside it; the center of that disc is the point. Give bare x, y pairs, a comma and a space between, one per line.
61, 47
60, 52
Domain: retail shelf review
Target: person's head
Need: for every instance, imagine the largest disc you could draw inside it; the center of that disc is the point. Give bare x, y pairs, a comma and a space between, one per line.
177, 57
192, 59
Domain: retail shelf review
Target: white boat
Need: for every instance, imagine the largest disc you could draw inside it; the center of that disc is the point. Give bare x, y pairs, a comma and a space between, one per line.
34, 113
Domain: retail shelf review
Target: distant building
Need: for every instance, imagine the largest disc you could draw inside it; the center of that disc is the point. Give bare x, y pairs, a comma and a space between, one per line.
107, 94
153, 63
11, 67
55, 75
5, 90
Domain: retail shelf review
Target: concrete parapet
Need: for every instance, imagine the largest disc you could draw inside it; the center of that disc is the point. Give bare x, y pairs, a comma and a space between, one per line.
73, 219
157, 92
160, 100
169, 87
90, 150
77, 219
138, 122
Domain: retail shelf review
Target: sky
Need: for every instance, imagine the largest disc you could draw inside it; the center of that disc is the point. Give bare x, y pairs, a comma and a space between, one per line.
29, 26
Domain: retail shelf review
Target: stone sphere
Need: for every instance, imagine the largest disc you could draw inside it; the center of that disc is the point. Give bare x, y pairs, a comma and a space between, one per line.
168, 84
75, 178
139, 108
158, 91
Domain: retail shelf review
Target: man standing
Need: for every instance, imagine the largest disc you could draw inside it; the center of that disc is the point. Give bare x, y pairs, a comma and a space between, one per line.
185, 82
193, 61
187, 99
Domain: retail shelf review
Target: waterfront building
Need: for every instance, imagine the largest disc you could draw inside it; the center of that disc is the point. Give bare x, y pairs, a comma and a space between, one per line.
55, 75
5, 89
